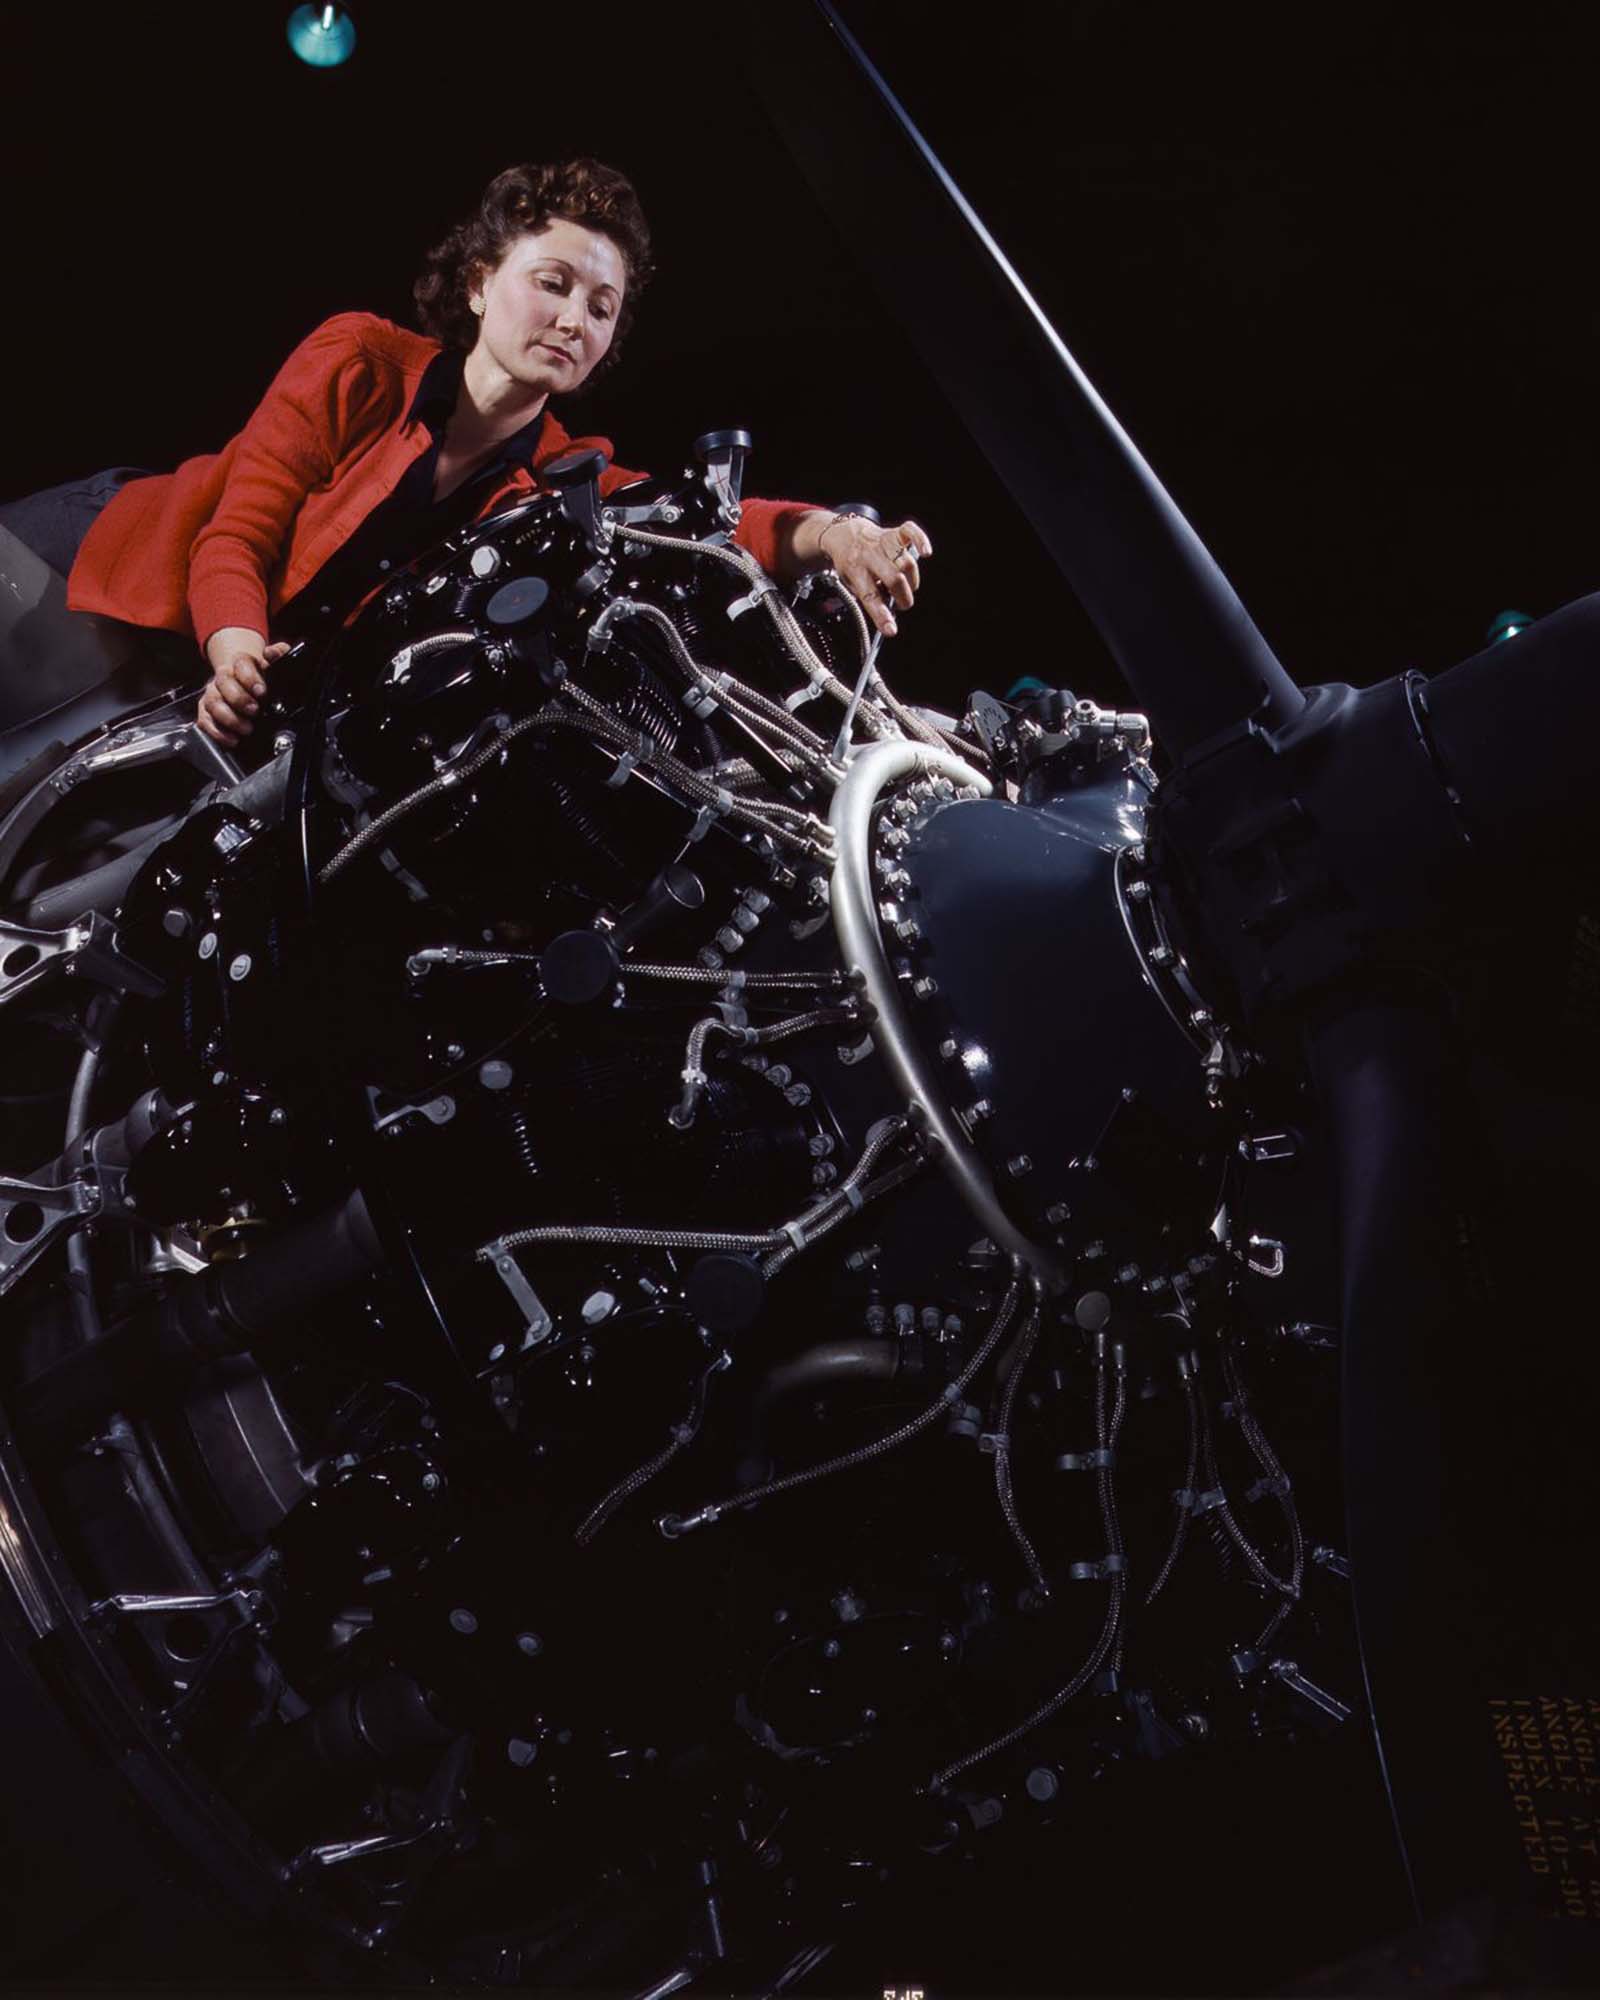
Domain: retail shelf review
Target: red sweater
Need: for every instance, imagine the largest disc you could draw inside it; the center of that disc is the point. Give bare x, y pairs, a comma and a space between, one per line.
231, 536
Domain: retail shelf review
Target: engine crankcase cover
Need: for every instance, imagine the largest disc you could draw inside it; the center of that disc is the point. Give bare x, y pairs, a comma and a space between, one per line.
1062, 1061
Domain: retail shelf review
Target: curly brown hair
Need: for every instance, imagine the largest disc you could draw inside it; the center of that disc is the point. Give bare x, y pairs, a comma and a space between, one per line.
520, 200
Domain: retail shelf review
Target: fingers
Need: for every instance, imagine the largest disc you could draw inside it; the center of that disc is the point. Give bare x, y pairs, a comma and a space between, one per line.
215, 719
893, 573
226, 706
240, 687
873, 583
915, 536
238, 684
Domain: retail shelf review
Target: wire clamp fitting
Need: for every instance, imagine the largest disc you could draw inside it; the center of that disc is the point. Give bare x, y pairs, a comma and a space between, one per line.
1092, 1572
1277, 1484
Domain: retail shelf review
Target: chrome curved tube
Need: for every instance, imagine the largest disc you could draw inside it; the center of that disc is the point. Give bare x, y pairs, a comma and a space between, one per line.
855, 919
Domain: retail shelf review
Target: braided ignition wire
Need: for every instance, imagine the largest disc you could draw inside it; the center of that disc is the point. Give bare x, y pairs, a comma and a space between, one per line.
694, 1073
446, 781
1001, 1439
1180, 1528
755, 982
907, 717
811, 835
768, 595
851, 1194
1277, 1481
683, 1434
794, 1235
1107, 1430
726, 688
680, 975
1254, 1561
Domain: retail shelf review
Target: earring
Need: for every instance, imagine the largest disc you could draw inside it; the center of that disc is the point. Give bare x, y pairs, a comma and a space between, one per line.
477, 306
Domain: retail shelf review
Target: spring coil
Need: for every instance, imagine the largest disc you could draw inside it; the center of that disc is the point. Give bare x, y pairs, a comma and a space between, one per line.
1217, 1534
644, 700
522, 1141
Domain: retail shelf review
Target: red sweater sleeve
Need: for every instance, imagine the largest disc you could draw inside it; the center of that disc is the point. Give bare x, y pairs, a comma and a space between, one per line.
304, 426
760, 522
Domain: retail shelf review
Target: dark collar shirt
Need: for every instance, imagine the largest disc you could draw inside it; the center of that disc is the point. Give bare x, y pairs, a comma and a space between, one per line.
410, 521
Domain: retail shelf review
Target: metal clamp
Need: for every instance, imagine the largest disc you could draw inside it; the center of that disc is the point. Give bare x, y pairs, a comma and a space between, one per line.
1277, 1484
741, 605
245, 1601
1193, 1502
1274, 1265
538, 1325
89, 947
1091, 1572
1288, 1673
1086, 1461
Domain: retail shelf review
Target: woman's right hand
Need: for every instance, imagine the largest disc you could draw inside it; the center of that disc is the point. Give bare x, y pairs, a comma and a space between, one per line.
239, 659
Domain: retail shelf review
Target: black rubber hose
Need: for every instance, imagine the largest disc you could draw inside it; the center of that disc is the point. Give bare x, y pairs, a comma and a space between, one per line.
226, 1309
816, 1368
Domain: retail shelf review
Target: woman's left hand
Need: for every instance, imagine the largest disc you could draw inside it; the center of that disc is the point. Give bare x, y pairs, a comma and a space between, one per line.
880, 566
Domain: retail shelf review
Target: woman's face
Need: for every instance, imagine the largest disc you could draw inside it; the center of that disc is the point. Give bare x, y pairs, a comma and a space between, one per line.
550, 306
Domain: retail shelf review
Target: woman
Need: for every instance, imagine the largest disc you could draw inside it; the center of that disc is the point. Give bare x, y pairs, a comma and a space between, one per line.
374, 442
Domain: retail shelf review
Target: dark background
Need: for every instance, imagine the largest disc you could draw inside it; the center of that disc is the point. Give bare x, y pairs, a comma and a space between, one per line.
1333, 269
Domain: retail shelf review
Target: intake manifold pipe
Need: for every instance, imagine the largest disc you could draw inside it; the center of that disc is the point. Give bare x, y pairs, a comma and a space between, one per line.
226, 1309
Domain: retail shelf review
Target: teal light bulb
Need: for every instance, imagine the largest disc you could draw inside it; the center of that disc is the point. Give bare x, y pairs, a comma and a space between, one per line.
1507, 625
321, 36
